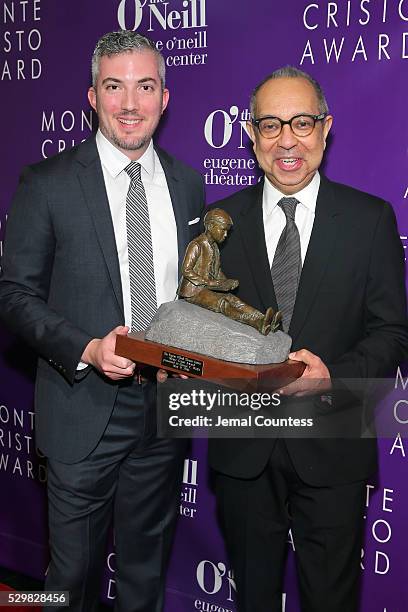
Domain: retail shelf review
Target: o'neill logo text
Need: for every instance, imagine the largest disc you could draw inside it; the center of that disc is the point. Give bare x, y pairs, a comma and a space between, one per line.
192, 14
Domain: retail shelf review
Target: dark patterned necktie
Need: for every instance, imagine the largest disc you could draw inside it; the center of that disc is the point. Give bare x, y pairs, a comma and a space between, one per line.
287, 263
139, 239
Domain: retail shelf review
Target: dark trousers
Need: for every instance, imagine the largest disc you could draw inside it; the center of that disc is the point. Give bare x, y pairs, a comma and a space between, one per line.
133, 477
327, 527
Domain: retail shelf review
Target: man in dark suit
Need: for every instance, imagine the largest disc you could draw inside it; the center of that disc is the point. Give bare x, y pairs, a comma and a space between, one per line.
93, 243
330, 258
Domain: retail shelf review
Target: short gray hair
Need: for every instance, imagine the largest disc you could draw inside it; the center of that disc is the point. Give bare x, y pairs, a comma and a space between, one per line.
291, 72
122, 41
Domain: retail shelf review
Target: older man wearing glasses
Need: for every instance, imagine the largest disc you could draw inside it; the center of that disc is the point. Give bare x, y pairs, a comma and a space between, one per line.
329, 257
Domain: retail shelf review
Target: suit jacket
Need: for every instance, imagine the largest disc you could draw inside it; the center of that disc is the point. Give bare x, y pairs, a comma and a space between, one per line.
60, 285
350, 310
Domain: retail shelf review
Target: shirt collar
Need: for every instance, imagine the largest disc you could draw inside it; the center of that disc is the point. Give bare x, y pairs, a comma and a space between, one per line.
115, 161
306, 196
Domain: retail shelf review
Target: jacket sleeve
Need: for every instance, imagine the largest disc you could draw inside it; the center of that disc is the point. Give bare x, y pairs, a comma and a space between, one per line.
385, 341
27, 267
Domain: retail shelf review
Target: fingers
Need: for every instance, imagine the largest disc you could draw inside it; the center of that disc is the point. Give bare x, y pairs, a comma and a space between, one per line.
315, 378
302, 386
303, 355
117, 372
121, 330
290, 389
119, 375
111, 365
315, 367
108, 360
161, 376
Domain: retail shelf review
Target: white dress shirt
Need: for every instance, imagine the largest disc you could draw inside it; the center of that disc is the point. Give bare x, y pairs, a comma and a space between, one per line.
162, 221
274, 218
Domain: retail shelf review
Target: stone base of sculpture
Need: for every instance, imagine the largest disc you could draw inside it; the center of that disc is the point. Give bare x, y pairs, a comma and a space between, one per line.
192, 328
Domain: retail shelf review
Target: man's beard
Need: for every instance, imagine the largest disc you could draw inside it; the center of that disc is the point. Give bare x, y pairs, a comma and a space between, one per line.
126, 145
130, 145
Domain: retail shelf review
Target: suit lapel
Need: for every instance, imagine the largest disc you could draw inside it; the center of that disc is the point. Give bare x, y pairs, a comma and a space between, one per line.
93, 186
318, 255
179, 202
255, 245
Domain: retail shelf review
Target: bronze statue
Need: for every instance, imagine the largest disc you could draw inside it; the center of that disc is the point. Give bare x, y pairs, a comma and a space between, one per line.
203, 282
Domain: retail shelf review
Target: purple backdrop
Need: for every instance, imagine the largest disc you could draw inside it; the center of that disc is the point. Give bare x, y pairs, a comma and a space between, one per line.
216, 52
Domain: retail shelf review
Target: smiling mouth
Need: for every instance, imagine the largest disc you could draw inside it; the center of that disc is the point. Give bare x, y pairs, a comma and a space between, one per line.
129, 121
289, 161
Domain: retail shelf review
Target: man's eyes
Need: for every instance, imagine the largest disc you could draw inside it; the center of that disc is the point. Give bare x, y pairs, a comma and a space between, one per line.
303, 123
144, 87
270, 125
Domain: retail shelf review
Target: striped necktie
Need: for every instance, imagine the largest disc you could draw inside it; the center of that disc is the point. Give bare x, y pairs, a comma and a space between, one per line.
287, 263
140, 251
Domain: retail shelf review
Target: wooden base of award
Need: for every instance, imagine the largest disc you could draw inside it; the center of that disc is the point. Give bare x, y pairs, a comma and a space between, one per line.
196, 365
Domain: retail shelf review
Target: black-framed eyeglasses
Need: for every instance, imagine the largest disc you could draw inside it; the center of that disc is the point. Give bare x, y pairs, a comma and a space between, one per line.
301, 125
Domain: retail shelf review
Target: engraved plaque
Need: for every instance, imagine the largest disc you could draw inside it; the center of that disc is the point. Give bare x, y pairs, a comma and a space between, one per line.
182, 363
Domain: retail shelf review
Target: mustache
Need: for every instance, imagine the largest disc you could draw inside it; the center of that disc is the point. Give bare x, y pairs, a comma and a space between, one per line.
288, 154
129, 115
